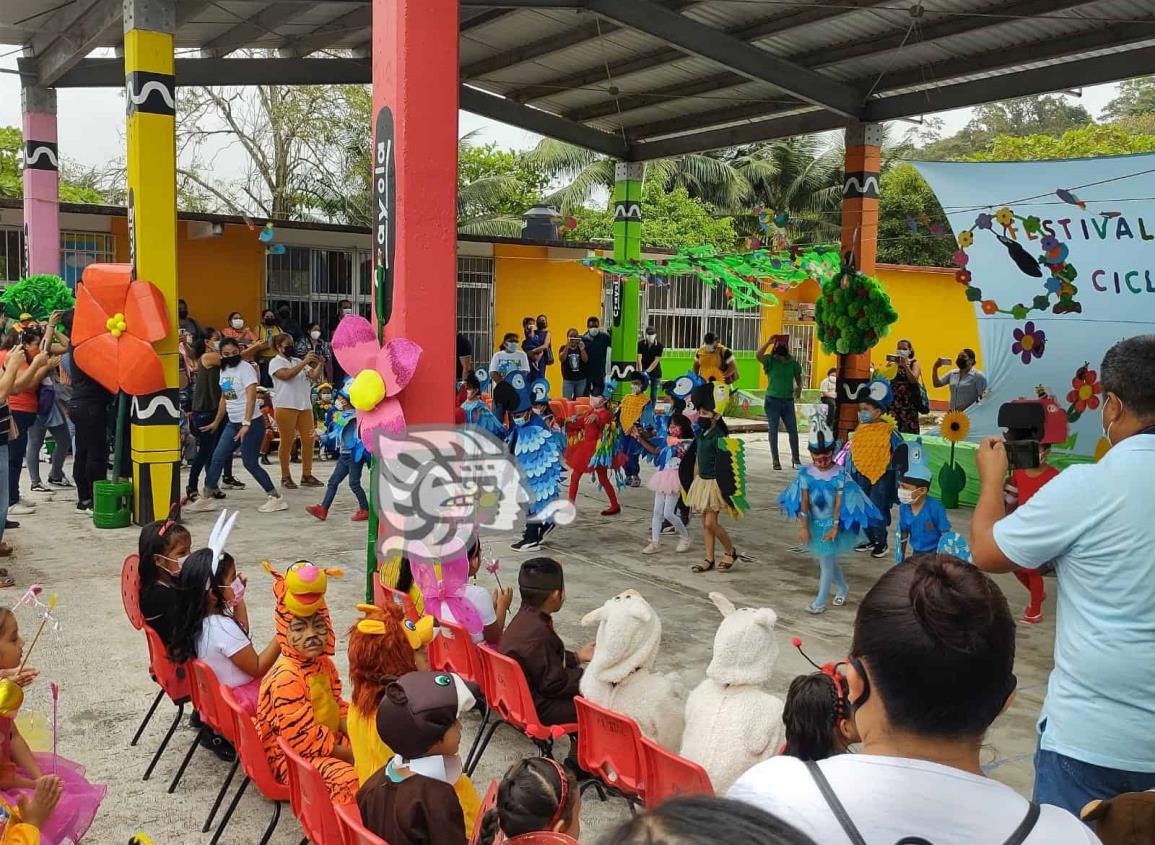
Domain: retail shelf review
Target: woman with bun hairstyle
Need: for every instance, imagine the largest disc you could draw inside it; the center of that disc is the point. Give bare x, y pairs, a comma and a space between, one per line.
705, 820
930, 669
537, 794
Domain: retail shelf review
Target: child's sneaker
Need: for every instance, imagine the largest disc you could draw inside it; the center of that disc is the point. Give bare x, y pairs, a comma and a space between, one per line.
683, 545
362, 515
525, 545
321, 513
815, 608
868, 546
1032, 616
651, 549
879, 550
275, 503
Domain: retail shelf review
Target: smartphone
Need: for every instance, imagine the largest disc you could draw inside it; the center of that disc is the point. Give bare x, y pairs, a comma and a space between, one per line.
1022, 454
893, 359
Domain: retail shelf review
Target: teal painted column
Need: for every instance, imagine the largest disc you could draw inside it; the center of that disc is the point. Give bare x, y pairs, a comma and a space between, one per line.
626, 303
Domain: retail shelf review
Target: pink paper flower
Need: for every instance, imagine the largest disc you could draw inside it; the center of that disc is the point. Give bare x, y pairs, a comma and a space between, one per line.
379, 374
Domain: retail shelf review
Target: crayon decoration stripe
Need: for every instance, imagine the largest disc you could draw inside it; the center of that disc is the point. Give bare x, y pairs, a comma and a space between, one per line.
41, 155
151, 93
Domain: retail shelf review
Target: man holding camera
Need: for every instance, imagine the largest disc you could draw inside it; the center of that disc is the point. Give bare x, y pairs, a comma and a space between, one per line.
1094, 522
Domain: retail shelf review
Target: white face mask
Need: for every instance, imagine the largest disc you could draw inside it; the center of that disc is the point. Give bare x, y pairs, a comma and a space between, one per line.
710, 347
237, 323
177, 562
315, 335
903, 353
346, 311
593, 330
511, 347
637, 388
651, 337
906, 496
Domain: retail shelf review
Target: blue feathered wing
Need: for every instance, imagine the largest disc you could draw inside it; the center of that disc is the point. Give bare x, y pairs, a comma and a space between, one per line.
540, 454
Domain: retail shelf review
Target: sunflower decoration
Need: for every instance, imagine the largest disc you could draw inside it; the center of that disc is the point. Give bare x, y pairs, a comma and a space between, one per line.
952, 478
955, 426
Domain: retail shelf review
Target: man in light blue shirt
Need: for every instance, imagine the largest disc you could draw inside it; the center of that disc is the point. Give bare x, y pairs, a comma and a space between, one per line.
1096, 522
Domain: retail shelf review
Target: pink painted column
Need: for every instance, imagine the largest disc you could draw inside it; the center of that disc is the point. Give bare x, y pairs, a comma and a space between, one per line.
41, 183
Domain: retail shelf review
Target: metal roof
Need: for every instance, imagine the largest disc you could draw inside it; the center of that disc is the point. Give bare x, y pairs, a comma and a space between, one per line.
639, 79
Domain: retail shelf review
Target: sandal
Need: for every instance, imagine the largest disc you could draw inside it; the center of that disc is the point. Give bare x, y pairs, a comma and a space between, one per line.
697, 567
7, 581
727, 565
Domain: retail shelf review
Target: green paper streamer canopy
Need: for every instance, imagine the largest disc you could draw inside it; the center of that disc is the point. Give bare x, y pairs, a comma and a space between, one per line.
37, 295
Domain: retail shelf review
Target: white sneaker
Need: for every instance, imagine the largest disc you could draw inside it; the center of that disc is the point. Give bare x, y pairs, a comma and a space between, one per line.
274, 504
651, 549
683, 545
22, 508
204, 503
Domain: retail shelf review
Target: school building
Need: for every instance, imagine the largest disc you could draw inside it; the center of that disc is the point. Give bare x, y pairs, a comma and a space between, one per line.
224, 267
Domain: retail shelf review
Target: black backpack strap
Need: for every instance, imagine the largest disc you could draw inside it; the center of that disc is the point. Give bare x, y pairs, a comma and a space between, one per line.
836, 806
1025, 826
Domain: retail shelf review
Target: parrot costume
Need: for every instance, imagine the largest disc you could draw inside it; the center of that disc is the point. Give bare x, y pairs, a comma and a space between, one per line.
594, 446
537, 450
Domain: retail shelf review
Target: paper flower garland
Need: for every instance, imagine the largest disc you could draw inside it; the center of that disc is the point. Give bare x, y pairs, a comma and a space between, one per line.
1084, 395
117, 321
38, 296
1029, 342
379, 374
1052, 263
853, 313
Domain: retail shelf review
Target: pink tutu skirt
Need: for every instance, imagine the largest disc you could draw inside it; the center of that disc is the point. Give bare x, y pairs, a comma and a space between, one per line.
79, 801
665, 481
248, 694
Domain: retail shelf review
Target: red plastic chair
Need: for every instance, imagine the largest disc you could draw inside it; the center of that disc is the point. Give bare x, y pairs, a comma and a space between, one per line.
507, 693
668, 774
541, 837
309, 798
383, 593
130, 591
174, 682
456, 652
352, 831
488, 802
252, 757
610, 747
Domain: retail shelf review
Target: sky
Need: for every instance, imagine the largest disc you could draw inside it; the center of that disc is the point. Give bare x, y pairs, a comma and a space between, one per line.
91, 122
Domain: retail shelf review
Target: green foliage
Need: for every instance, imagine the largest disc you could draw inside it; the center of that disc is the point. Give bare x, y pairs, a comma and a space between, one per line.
905, 195
74, 186
1136, 97
1050, 114
673, 219
495, 187
852, 314
36, 295
1085, 142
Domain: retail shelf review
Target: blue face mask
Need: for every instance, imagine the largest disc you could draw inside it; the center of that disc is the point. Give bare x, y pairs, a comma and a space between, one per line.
519, 421
865, 417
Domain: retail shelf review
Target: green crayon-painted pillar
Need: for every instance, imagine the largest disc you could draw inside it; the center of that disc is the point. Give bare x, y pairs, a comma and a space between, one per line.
626, 302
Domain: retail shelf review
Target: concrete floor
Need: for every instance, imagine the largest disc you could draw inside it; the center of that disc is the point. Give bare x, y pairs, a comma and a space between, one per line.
100, 661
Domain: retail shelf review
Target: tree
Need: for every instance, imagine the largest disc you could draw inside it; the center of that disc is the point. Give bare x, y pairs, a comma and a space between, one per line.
1049, 114
1136, 97
76, 184
494, 188
904, 196
1089, 141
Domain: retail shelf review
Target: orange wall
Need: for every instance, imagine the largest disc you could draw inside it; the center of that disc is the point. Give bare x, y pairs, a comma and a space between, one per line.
214, 275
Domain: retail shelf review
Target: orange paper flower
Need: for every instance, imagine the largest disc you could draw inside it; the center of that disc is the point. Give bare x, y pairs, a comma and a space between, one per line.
117, 321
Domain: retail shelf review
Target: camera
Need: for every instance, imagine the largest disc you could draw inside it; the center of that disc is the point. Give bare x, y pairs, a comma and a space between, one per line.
1031, 424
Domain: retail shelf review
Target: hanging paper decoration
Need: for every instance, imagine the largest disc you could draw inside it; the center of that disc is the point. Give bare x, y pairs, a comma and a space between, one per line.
1052, 265
267, 233
117, 321
38, 296
275, 249
380, 372
853, 313
740, 274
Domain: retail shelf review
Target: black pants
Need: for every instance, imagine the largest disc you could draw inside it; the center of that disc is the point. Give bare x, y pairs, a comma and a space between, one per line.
91, 460
16, 448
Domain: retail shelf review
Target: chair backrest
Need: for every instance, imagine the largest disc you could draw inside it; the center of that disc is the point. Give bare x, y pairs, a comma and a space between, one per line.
309, 798
206, 696
453, 650
542, 837
399, 598
487, 804
172, 677
668, 775
251, 751
559, 409
130, 590
352, 831
610, 747
506, 689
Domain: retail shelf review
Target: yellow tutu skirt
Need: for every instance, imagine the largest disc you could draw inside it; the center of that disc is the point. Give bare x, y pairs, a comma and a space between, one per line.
706, 495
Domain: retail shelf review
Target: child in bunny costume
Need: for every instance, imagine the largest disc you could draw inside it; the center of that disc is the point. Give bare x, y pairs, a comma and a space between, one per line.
621, 676
731, 721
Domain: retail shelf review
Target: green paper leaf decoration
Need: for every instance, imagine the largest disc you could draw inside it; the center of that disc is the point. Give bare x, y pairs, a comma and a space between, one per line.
37, 295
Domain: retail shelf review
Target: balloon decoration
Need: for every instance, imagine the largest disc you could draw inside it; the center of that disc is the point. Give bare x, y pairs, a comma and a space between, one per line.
37, 295
1052, 264
853, 313
117, 321
740, 274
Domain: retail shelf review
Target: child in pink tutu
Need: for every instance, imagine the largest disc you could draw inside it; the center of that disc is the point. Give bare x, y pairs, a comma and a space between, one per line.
666, 482
23, 772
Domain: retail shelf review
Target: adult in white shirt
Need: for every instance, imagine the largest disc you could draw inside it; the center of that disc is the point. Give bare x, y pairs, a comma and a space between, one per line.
510, 358
491, 607
1094, 521
828, 396
930, 670
293, 406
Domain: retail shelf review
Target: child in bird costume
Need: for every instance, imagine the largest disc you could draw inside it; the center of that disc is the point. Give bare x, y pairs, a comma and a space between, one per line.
922, 520
872, 452
667, 445
474, 411
300, 699
537, 450
831, 510
594, 447
713, 474
635, 410
322, 406
352, 457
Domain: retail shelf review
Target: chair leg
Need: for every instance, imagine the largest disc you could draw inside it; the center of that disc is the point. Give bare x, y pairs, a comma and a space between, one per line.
477, 739
221, 795
164, 743
184, 763
272, 824
484, 744
147, 716
229, 812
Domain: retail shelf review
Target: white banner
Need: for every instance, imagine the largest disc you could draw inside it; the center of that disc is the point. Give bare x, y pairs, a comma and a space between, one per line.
1061, 257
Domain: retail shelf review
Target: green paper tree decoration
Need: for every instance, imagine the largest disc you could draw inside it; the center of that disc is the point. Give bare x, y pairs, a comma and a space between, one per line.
853, 313
38, 296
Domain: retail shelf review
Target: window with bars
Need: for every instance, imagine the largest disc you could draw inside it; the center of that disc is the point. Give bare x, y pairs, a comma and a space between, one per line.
11, 255
77, 251
475, 303
312, 280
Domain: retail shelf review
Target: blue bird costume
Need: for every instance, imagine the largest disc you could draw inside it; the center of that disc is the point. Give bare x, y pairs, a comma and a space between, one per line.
538, 451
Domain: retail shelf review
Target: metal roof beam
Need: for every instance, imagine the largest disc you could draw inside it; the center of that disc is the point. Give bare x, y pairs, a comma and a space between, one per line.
246, 32
328, 33
109, 73
189, 9
781, 21
526, 4
874, 46
746, 133
732, 53
94, 24
534, 120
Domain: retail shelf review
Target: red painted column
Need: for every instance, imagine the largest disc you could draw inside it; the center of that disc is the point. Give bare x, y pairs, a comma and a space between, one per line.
415, 84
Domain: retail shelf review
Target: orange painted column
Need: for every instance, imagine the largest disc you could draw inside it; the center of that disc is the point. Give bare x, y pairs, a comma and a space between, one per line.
860, 239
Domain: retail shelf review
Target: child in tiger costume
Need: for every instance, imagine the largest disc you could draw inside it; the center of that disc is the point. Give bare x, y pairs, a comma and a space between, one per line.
300, 699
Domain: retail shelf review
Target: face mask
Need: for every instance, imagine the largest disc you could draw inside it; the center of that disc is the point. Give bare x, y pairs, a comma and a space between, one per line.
269, 321
238, 588
326, 397
511, 347
903, 353
177, 562
597, 401
346, 311
182, 312
287, 352
651, 337
594, 331
637, 388
315, 335
341, 403
520, 421
1107, 429
906, 496
710, 347
541, 327
962, 362
237, 323
230, 360
865, 417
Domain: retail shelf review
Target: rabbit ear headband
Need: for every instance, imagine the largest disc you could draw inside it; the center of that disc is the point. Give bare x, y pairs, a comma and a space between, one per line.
220, 535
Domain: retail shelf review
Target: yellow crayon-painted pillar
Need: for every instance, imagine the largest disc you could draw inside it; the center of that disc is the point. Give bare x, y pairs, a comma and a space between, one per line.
150, 88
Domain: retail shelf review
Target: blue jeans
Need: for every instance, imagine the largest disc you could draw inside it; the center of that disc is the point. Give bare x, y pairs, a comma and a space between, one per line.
3, 488
830, 572
633, 450
782, 410
206, 446
1070, 783
18, 446
346, 466
250, 454
573, 389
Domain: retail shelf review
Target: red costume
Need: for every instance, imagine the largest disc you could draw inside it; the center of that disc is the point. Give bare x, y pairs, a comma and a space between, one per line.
591, 449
